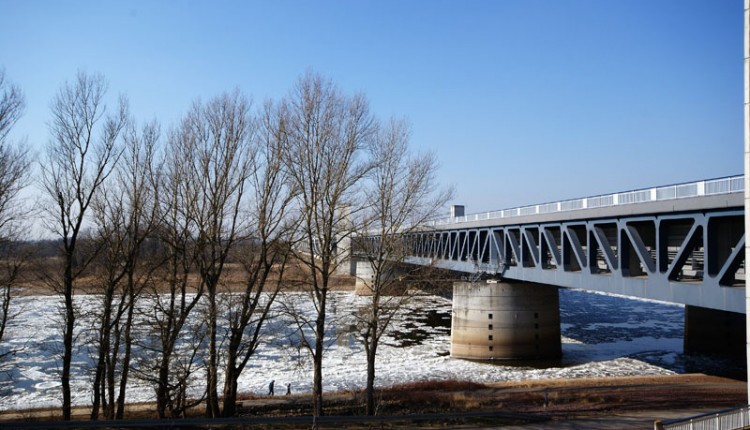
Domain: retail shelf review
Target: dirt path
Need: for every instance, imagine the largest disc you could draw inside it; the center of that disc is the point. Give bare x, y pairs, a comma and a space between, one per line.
592, 396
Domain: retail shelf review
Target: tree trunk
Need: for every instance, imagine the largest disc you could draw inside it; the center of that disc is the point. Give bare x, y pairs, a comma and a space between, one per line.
99, 375
230, 389
5, 308
101, 367
125, 361
212, 400
318, 358
162, 393
112, 357
370, 390
372, 349
67, 355
231, 374
67, 341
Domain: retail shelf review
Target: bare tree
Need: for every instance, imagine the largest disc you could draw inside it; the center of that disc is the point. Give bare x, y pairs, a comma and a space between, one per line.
169, 351
14, 167
403, 195
125, 216
324, 134
263, 254
80, 156
218, 135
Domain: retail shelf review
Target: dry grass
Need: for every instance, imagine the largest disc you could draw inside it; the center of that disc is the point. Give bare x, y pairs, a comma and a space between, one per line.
559, 398
448, 385
556, 399
296, 278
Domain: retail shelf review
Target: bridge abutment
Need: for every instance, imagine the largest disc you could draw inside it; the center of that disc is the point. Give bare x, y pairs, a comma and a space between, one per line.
365, 278
505, 320
714, 332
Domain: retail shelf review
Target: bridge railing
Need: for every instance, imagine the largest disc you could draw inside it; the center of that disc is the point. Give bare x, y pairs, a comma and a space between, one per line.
738, 418
730, 184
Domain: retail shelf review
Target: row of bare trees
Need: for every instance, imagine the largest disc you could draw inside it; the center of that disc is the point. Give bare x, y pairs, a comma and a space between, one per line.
151, 222
14, 166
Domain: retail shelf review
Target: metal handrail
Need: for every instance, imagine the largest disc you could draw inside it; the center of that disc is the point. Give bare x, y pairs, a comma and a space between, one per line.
728, 419
708, 187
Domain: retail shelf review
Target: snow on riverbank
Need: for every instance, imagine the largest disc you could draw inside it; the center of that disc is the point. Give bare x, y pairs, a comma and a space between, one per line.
602, 336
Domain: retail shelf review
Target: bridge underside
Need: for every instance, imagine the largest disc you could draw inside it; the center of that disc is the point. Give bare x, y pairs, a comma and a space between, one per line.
692, 258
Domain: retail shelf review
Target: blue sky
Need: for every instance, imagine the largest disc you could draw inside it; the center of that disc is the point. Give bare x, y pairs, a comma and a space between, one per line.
523, 101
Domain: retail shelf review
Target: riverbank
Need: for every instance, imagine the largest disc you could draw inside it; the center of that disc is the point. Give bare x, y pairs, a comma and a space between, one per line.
602, 337
553, 399
460, 403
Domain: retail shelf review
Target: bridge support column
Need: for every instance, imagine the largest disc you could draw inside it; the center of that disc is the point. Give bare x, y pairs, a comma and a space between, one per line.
365, 277
714, 332
345, 262
505, 321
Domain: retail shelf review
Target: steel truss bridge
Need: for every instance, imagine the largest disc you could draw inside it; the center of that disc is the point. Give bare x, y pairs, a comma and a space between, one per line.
681, 243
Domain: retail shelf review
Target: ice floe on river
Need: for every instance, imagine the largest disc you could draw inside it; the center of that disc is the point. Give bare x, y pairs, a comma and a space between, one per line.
602, 336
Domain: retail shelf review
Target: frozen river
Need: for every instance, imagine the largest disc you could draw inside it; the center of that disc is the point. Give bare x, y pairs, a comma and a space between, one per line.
602, 336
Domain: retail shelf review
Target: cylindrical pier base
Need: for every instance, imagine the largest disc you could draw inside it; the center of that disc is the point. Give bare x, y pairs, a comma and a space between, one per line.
505, 321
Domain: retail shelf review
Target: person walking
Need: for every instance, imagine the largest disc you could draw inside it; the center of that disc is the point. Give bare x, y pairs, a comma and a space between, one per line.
270, 388
288, 389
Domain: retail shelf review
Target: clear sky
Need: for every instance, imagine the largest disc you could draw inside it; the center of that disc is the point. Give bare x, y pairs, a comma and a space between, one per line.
523, 101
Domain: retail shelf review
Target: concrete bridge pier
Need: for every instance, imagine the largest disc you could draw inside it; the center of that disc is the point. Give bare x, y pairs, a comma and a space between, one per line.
712, 331
505, 320
365, 277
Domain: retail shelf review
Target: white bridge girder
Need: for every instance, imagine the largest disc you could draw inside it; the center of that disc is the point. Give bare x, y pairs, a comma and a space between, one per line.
693, 258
